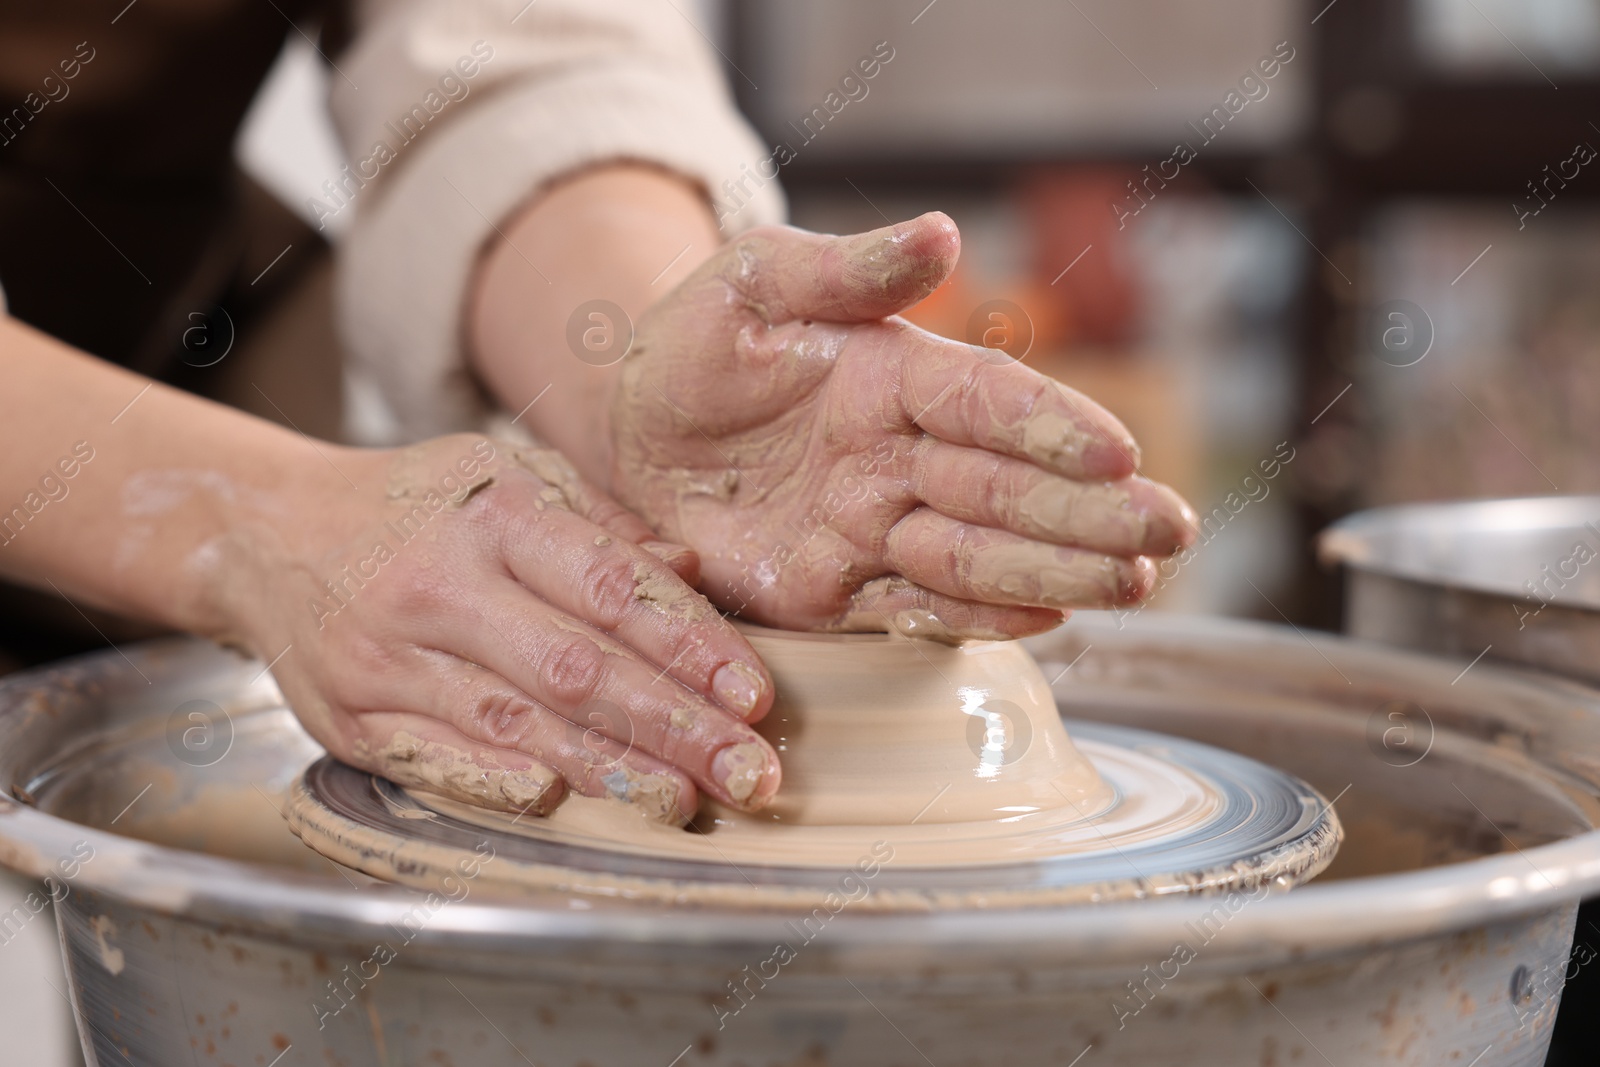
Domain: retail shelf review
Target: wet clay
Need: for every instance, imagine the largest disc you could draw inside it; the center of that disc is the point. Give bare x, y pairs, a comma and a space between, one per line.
1038, 574
453, 772
1168, 804
952, 756
1077, 513
654, 797
668, 595
1061, 442
866, 615
955, 749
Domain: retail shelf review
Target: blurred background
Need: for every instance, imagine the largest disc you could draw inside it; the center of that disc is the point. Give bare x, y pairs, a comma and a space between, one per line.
1355, 242
1352, 244
1418, 159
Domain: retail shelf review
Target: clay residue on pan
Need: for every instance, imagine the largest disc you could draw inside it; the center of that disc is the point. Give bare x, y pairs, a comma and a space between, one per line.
452, 772
667, 595
111, 957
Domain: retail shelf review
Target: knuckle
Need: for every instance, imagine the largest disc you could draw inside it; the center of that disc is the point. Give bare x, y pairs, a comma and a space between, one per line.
361, 661
608, 588
998, 494
417, 594
496, 717
571, 668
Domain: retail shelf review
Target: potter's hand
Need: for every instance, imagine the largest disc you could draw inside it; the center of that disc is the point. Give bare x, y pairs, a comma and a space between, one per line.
477, 621
837, 470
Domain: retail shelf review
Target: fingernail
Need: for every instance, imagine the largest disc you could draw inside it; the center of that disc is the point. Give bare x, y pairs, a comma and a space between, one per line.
1168, 534
737, 686
1112, 457
1136, 581
740, 768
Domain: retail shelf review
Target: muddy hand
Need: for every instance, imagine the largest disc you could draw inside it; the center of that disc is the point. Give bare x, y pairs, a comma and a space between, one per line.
837, 468
478, 622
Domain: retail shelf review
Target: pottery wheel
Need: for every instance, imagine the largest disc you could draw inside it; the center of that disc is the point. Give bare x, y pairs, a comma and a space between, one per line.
1243, 825
944, 771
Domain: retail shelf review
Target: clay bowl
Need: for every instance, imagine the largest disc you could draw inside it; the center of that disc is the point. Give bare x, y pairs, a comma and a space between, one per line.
952, 760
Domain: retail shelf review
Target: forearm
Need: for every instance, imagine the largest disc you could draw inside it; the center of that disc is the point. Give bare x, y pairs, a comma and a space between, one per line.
115, 490
627, 234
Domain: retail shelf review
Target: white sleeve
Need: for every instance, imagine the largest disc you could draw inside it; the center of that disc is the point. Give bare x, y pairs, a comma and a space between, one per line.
440, 158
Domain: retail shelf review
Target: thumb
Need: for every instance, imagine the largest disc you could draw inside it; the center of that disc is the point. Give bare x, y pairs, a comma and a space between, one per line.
790, 274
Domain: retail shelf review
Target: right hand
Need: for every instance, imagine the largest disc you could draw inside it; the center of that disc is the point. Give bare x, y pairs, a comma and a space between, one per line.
840, 469
517, 634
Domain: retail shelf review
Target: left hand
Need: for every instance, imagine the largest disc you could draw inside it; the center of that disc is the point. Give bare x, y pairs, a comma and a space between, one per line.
840, 469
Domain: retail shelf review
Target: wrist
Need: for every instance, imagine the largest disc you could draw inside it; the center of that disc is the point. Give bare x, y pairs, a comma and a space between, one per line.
622, 234
262, 548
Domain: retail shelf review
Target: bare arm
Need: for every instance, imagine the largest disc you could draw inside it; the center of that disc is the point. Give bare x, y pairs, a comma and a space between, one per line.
461, 615
627, 234
835, 467
131, 481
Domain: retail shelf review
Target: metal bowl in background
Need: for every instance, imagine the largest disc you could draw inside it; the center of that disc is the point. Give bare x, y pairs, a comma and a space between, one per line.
1512, 580
197, 930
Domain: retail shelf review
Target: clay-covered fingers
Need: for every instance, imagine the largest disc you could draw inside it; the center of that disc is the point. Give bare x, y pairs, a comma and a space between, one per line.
589, 748
959, 394
572, 669
1129, 517
892, 603
563, 487
633, 596
788, 274
996, 567
420, 750
462, 759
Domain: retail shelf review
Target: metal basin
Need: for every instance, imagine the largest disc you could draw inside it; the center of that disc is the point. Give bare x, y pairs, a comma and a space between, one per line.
196, 929
1514, 580
1510, 580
